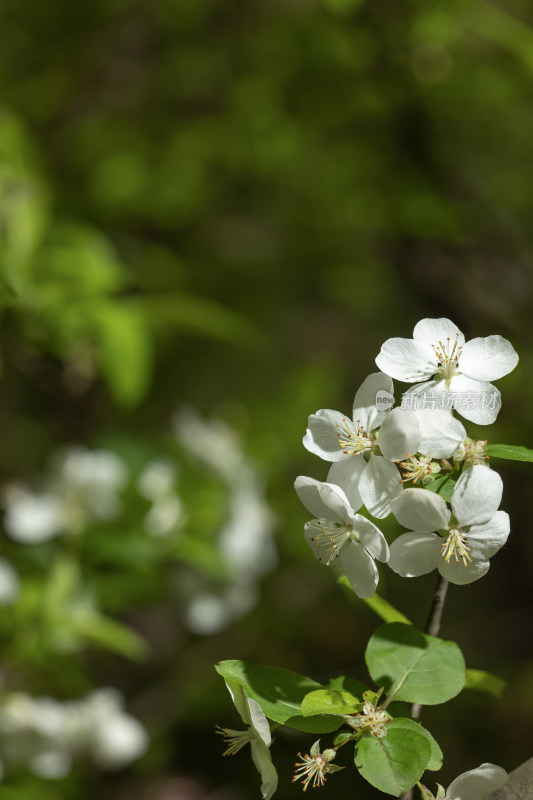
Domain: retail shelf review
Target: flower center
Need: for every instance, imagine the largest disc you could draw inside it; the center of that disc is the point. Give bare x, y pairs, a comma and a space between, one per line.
456, 546
330, 537
235, 739
447, 355
353, 440
371, 718
421, 469
471, 451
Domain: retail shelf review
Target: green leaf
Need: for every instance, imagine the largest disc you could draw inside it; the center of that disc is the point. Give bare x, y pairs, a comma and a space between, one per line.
279, 692
395, 762
111, 635
329, 701
344, 684
124, 350
482, 681
443, 485
435, 761
379, 605
413, 666
512, 452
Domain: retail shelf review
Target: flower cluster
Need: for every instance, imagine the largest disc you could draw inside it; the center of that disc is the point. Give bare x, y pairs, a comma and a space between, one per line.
387, 459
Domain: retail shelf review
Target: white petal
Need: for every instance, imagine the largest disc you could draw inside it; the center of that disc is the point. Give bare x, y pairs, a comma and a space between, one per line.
406, 360
240, 700
359, 568
477, 495
322, 435
346, 474
263, 763
324, 500
476, 401
415, 553
421, 510
476, 783
399, 436
372, 538
365, 407
441, 433
259, 722
485, 540
488, 358
430, 395
380, 483
434, 331
460, 574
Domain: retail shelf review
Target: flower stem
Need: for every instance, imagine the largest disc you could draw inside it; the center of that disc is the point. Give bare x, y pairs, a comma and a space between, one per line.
432, 628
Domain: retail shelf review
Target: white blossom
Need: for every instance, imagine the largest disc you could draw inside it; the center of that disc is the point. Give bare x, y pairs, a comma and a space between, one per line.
459, 542
472, 785
438, 360
364, 447
339, 532
257, 734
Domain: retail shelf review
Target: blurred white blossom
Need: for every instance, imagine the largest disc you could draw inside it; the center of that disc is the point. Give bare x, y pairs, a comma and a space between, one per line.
245, 541
82, 485
46, 735
9, 583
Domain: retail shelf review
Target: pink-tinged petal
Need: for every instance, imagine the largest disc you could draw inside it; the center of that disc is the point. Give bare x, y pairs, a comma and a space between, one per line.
415, 553
359, 568
485, 540
437, 331
324, 500
379, 484
406, 360
477, 495
488, 358
371, 537
367, 402
399, 436
346, 474
322, 435
441, 433
421, 510
476, 401
460, 574
476, 783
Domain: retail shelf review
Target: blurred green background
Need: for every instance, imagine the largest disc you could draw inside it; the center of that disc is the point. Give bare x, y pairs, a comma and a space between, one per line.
228, 206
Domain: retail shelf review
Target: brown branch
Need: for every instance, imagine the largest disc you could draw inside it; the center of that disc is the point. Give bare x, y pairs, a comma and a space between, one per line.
432, 628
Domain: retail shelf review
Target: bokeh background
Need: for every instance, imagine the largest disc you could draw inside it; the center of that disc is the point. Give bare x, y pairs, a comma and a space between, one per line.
212, 214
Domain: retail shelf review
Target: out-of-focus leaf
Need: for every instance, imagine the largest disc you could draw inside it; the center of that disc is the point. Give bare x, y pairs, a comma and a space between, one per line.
379, 605
124, 350
482, 681
197, 315
110, 635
